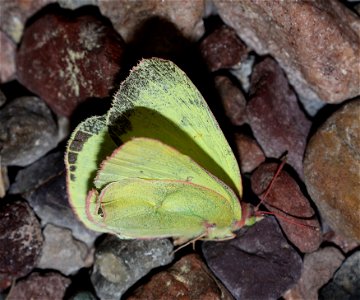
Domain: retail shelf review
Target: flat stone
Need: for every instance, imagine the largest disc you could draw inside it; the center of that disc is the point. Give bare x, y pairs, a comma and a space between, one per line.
258, 264
319, 267
37, 286
315, 42
20, 241
293, 210
222, 49
128, 17
331, 168
275, 116
67, 58
28, 131
39, 172
345, 284
121, 263
188, 278
62, 252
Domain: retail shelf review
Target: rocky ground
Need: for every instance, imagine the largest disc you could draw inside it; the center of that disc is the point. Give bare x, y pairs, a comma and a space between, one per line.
279, 77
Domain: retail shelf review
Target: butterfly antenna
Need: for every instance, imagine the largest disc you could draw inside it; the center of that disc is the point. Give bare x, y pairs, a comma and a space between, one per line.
269, 187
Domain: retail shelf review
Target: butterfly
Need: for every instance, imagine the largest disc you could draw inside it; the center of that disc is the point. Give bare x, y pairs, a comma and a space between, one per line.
157, 164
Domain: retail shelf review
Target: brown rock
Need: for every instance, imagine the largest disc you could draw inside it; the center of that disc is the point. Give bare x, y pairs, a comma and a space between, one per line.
332, 170
223, 49
315, 42
318, 269
20, 241
345, 244
293, 210
251, 155
67, 59
36, 286
129, 16
232, 99
7, 58
188, 278
4, 180
275, 117
14, 14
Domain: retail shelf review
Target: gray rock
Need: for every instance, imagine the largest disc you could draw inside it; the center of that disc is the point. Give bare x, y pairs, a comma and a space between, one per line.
62, 252
345, 284
50, 203
28, 131
38, 173
121, 263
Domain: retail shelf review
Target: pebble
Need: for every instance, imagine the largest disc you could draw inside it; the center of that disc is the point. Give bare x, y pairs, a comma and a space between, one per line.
222, 49
188, 278
20, 241
121, 263
258, 264
345, 284
40, 286
62, 252
28, 131
331, 168
130, 17
275, 117
316, 43
7, 58
232, 98
67, 58
250, 153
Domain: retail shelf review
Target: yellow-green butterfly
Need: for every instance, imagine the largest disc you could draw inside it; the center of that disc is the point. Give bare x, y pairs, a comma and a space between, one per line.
157, 165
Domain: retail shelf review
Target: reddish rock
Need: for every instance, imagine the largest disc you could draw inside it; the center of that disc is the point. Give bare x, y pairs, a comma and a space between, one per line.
287, 201
223, 49
7, 58
20, 241
331, 168
315, 42
128, 17
275, 117
67, 59
232, 99
36, 286
188, 278
345, 244
251, 155
318, 269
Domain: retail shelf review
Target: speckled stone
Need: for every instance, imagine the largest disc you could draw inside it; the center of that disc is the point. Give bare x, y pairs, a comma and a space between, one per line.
332, 170
20, 241
188, 278
315, 42
121, 263
67, 59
